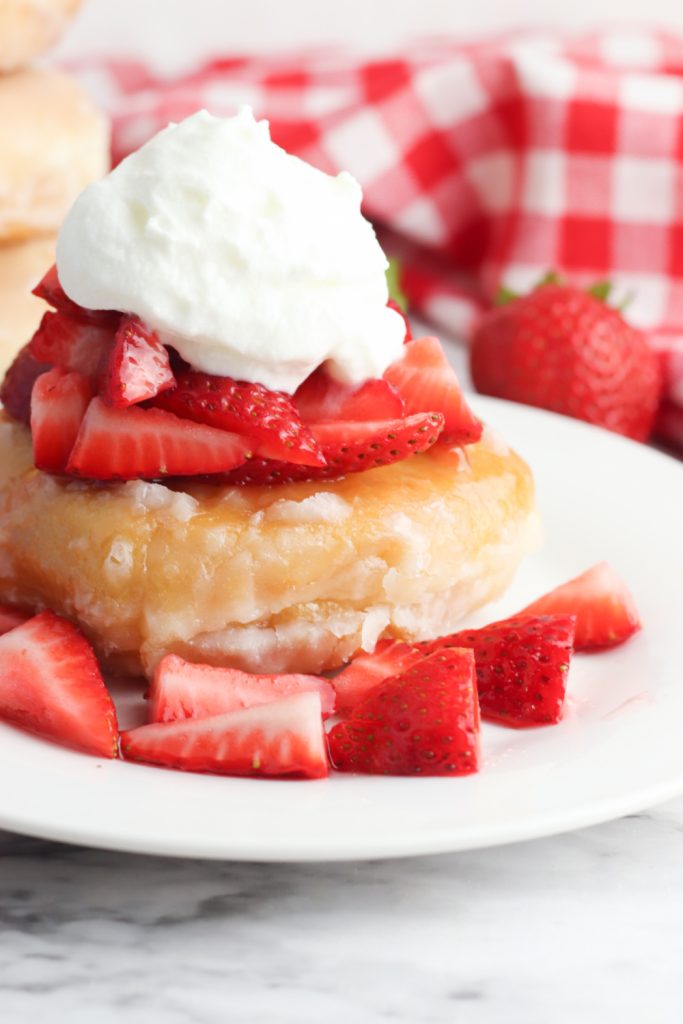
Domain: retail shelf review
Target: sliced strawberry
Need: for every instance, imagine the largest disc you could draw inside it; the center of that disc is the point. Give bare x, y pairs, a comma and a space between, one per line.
52, 292
321, 399
268, 418
137, 367
397, 309
605, 611
283, 737
180, 689
71, 344
125, 444
427, 382
50, 684
348, 448
424, 721
58, 405
522, 666
15, 392
11, 617
366, 671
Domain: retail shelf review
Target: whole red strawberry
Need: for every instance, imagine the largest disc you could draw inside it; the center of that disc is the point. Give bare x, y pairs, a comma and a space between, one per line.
564, 349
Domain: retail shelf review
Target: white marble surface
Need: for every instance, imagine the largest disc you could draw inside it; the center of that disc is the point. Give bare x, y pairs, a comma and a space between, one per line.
578, 928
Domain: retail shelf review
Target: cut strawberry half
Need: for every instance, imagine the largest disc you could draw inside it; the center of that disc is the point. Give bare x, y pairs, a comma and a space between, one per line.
348, 448
11, 617
15, 393
367, 671
50, 290
181, 689
321, 399
427, 382
605, 611
268, 418
126, 444
58, 404
397, 309
424, 721
50, 684
282, 738
522, 666
71, 344
137, 366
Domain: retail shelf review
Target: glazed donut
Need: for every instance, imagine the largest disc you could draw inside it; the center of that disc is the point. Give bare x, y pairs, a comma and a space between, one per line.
21, 267
53, 142
27, 27
270, 579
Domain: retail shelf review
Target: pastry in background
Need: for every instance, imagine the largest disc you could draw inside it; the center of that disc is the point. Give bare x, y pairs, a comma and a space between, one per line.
21, 267
53, 142
28, 27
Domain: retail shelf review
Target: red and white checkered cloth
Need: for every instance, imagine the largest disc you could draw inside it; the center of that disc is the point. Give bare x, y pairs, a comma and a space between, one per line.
484, 163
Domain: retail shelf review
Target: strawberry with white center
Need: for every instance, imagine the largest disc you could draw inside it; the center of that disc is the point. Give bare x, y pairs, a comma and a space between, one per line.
605, 611
58, 404
181, 689
424, 721
72, 345
137, 366
366, 671
124, 444
50, 684
281, 738
321, 399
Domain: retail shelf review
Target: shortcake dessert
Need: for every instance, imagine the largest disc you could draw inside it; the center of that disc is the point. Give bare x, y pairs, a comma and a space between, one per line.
222, 441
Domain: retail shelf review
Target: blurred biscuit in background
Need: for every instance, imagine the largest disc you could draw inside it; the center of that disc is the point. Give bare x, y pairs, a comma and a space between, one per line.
53, 141
21, 267
27, 27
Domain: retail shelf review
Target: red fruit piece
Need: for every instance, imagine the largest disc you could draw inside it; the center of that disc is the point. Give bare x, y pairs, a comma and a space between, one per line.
366, 671
562, 349
58, 405
522, 666
180, 689
11, 617
15, 393
605, 611
137, 367
70, 344
50, 684
268, 418
348, 448
283, 737
52, 292
125, 444
424, 721
397, 309
321, 399
427, 382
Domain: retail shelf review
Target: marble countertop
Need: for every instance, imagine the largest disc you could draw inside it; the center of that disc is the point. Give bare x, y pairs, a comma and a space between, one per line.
581, 927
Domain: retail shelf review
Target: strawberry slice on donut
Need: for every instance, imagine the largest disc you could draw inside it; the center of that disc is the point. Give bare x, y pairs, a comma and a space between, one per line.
321, 399
72, 345
50, 290
138, 366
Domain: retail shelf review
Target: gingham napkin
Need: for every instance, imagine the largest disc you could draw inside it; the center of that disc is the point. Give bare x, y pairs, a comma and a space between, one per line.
484, 163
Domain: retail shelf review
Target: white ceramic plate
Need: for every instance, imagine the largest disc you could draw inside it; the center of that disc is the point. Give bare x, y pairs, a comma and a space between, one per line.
618, 750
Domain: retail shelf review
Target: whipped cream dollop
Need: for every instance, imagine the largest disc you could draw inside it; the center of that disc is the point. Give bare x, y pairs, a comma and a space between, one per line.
250, 262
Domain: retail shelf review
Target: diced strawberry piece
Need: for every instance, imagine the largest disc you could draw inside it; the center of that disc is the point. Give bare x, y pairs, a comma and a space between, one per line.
50, 684
137, 367
127, 444
427, 382
11, 617
348, 448
58, 405
52, 292
605, 611
424, 721
268, 418
321, 399
397, 309
366, 671
181, 689
15, 393
283, 737
71, 344
522, 666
